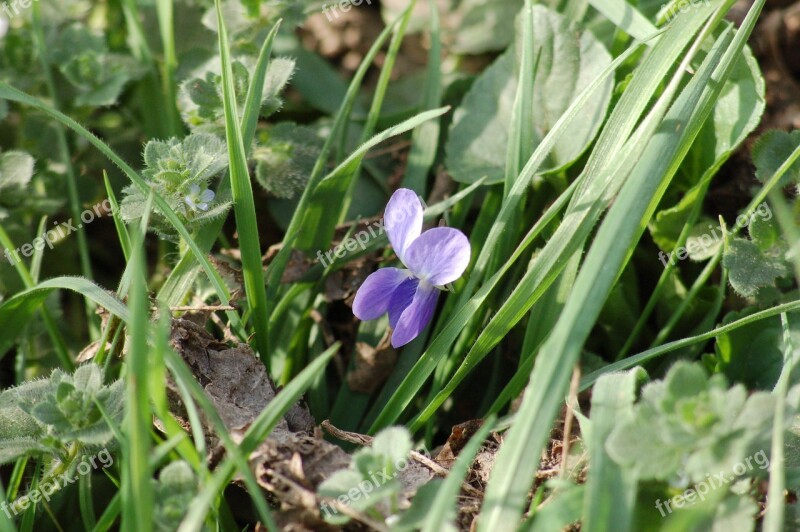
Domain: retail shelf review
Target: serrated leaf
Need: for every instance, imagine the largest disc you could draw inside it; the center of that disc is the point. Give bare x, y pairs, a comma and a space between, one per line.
569, 60
749, 269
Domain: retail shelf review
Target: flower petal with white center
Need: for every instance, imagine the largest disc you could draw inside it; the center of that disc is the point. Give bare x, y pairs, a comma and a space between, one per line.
439, 256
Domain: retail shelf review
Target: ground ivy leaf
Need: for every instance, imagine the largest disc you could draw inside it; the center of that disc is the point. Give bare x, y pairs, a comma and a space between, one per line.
749, 269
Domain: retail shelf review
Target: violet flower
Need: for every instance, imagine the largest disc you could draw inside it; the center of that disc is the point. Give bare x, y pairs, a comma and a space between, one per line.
433, 259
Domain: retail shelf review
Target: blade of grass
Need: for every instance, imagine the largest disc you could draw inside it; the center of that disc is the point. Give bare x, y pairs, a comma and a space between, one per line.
243, 201
182, 276
18, 309
122, 231
425, 138
307, 241
626, 17
166, 23
444, 504
59, 345
608, 502
611, 249
374, 111
137, 500
776, 497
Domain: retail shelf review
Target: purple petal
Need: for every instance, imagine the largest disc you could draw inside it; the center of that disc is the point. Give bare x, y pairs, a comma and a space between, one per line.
372, 298
403, 220
401, 299
440, 255
416, 316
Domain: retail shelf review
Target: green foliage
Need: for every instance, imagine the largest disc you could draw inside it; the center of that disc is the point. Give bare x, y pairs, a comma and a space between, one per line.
758, 263
285, 158
200, 97
750, 268
47, 415
690, 425
182, 172
769, 152
372, 473
97, 75
173, 491
16, 171
569, 60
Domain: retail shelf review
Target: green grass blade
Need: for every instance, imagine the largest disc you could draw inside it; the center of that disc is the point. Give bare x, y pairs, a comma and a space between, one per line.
608, 503
59, 345
122, 231
306, 241
17, 310
375, 109
336, 182
425, 138
607, 256
255, 92
243, 201
520, 134
137, 500
626, 17
182, 276
776, 501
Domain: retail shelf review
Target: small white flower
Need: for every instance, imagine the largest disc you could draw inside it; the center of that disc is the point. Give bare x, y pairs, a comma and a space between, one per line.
197, 200
3, 26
